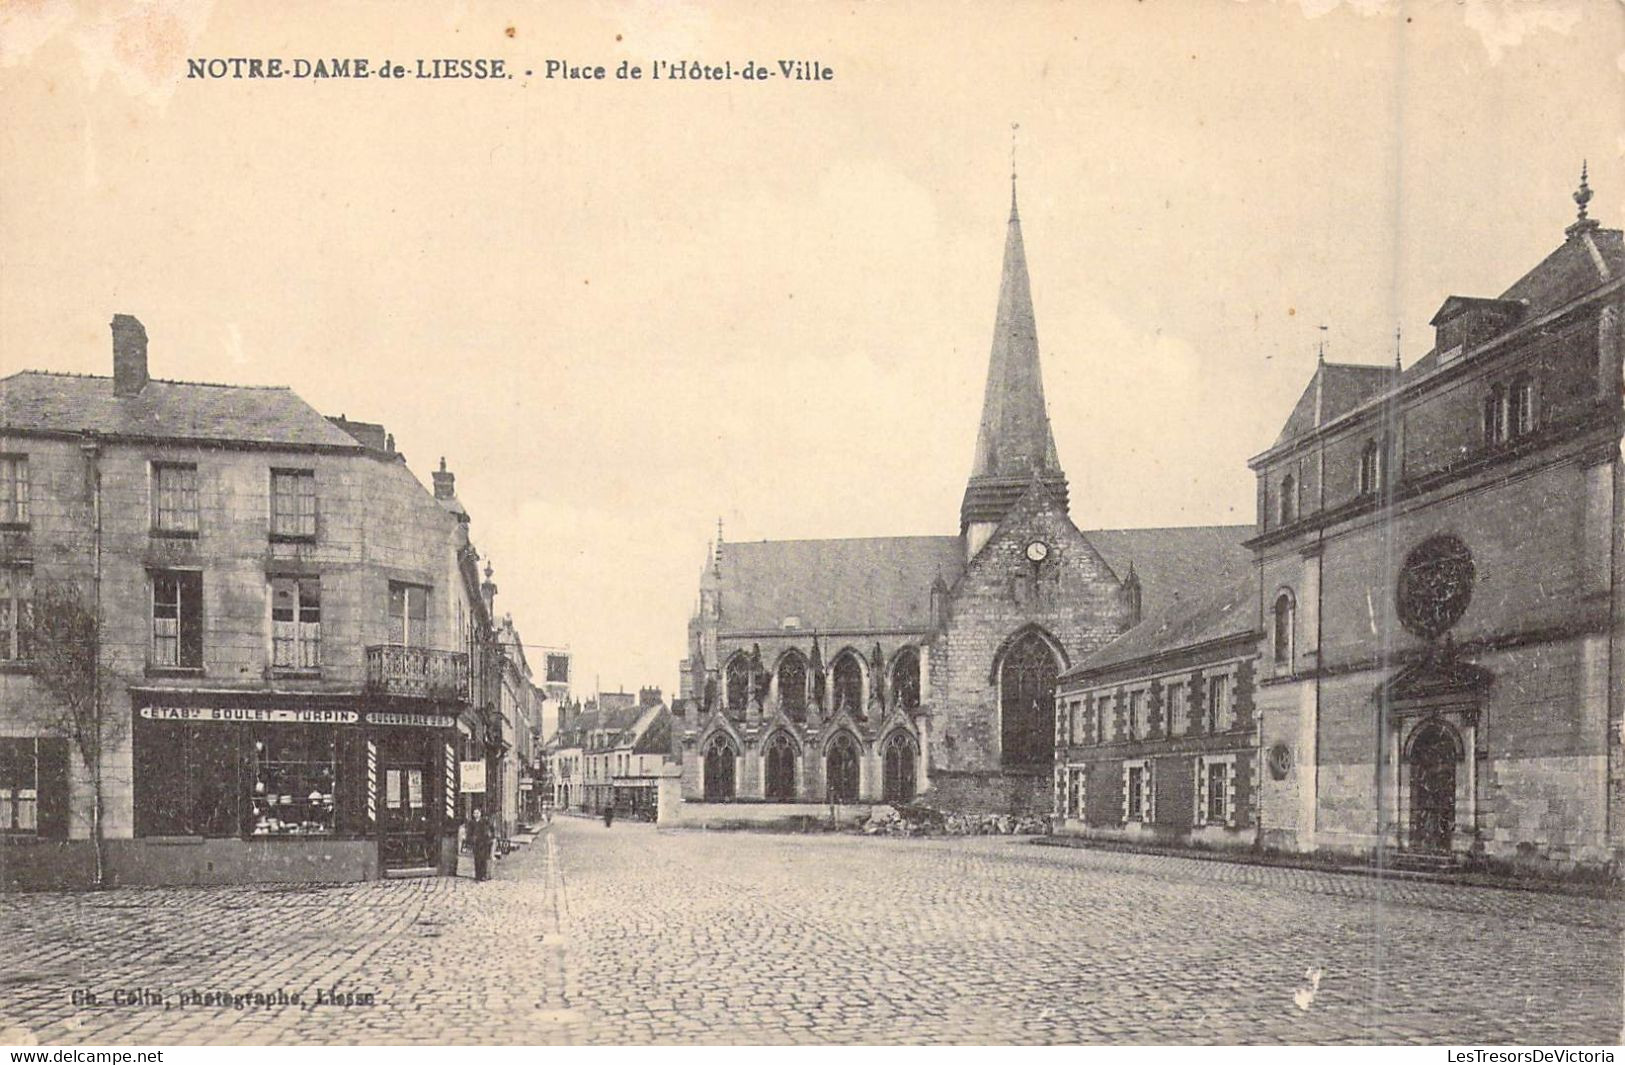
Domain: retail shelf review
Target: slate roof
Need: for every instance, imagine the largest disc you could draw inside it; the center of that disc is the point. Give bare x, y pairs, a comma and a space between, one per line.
616, 722
52, 402
867, 584
1339, 387
1226, 606
1170, 562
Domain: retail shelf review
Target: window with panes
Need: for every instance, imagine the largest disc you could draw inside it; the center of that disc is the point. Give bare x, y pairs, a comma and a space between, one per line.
16, 612
177, 619
293, 504
296, 623
174, 497
13, 489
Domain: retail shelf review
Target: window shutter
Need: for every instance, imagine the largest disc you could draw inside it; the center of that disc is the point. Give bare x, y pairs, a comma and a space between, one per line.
1201, 792
1148, 804
1230, 795
191, 620
1125, 792
52, 769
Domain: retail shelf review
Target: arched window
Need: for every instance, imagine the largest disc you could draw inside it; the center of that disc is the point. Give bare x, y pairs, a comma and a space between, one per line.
739, 679
848, 682
719, 769
1285, 620
905, 679
1027, 702
1495, 425
841, 768
781, 768
901, 757
793, 684
1289, 499
1521, 406
1373, 460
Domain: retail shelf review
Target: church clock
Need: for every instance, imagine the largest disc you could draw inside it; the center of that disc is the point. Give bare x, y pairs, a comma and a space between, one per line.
1037, 551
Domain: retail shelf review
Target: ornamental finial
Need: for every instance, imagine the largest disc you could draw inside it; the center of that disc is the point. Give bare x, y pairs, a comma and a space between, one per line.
1582, 195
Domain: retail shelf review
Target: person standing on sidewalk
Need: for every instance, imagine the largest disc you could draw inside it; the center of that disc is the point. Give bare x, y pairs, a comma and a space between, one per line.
479, 838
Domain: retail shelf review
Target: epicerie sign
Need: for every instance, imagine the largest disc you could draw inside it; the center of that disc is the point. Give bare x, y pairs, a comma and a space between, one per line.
243, 713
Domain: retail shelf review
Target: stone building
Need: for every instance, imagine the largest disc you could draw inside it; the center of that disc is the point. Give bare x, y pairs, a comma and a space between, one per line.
286, 633
1439, 567
858, 670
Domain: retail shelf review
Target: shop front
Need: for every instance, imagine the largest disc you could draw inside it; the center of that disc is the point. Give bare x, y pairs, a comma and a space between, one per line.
262, 786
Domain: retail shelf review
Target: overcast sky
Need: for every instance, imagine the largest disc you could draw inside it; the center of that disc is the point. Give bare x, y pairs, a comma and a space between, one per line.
624, 309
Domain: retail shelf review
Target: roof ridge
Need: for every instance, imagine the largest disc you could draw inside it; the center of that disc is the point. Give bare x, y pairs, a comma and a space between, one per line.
1168, 528
838, 539
154, 380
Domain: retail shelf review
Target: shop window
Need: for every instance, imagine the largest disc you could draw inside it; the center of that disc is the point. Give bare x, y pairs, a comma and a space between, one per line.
293, 504
293, 782
13, 489
34, 786
174, 497
16, 613
188, 779
408, 615
296, 623
177, 619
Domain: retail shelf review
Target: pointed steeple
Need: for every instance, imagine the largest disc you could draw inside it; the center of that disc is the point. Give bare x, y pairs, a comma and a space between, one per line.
1014, 443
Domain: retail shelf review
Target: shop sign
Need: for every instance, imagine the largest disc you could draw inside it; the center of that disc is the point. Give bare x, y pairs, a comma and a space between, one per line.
525, 785
383, 717
473, 774
249, 714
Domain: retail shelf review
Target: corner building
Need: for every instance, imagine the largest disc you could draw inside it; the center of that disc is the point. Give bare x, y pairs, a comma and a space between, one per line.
1439, 566
867, 670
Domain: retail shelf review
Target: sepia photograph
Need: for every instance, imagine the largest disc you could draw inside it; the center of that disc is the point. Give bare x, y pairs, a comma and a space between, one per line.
663, 523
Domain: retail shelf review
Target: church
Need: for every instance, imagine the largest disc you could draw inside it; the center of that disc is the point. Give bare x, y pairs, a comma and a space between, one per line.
849, 671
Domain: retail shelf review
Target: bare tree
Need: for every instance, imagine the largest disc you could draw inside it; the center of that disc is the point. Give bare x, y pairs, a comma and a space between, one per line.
65, 647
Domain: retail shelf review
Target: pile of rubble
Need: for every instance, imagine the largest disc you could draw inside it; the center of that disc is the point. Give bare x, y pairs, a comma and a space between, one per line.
916, 820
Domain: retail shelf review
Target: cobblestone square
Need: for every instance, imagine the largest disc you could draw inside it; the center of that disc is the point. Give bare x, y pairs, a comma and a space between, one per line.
638, 935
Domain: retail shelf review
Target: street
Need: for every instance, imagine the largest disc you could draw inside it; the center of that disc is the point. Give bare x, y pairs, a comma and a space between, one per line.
632, 934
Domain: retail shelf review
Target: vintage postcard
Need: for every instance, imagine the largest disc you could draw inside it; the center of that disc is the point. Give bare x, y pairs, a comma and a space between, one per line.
648, 523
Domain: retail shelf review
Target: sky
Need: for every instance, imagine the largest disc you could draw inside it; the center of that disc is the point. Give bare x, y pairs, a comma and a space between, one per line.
625, 309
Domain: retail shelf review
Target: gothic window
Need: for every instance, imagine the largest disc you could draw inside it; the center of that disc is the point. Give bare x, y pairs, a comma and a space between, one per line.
793, 684
848, 682
841, 768
1027, 701
901, 756
905, 679
1289, 499
1285, 617
781, 768
719, 769
739, 679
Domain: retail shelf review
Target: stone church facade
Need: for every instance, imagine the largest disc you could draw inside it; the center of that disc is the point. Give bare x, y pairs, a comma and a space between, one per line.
896, 668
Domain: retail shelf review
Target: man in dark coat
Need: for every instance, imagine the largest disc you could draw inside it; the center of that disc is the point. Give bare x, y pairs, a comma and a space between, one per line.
479, 838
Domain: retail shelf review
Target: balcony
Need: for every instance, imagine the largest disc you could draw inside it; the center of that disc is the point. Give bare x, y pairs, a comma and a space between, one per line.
417, 673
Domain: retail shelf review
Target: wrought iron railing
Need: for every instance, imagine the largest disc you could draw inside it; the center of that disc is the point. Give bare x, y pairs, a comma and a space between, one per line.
417, 672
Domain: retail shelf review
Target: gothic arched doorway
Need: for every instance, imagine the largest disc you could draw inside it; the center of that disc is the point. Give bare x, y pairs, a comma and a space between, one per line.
1027, 702
898, 775
1433, 755
719, 769
781, 769
841, 769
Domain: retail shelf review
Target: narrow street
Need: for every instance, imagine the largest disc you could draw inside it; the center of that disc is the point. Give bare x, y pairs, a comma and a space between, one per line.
630, 934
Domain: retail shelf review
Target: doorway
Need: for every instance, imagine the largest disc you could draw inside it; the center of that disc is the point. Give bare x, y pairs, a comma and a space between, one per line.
1433, 756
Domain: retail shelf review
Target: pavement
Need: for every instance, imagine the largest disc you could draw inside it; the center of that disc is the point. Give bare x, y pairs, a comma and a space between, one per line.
639, 935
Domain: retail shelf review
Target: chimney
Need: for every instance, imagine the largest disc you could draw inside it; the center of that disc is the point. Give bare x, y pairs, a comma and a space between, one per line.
129, 355
445, 482
648, 697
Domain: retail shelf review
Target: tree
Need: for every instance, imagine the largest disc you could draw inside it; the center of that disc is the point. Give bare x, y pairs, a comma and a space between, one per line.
65, 650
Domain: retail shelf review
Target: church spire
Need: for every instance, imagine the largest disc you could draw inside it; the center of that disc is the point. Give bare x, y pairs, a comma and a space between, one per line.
1014, 443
